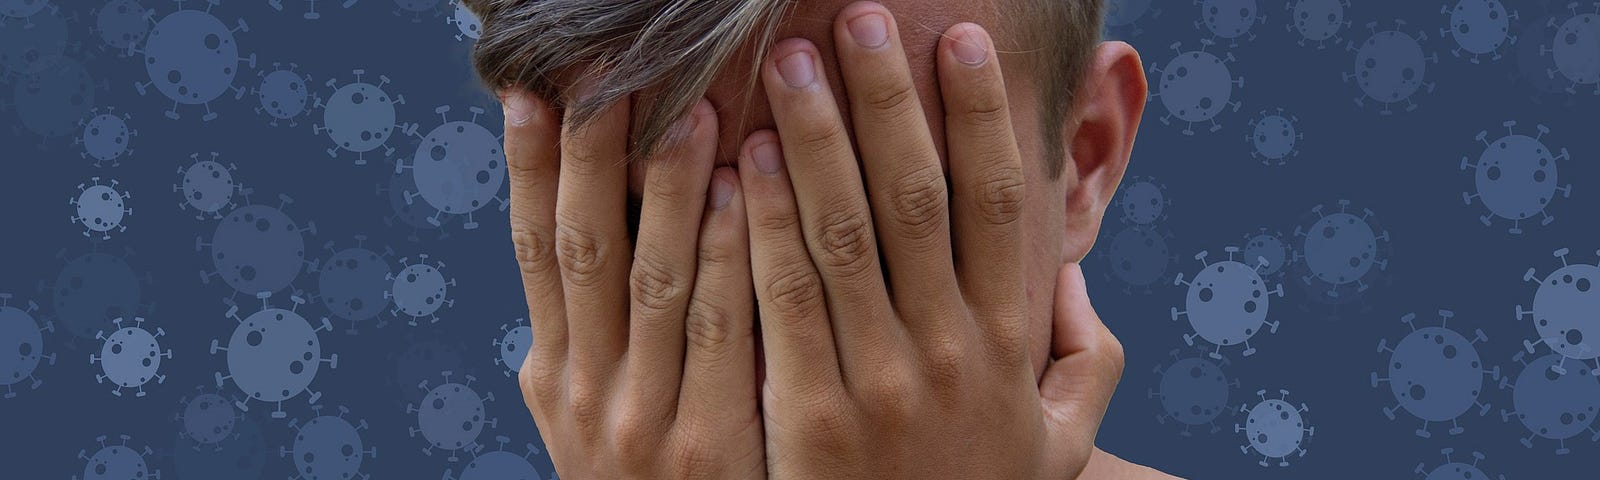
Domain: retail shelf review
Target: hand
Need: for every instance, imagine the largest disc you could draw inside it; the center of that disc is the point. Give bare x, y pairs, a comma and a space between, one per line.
645, 361
933, 380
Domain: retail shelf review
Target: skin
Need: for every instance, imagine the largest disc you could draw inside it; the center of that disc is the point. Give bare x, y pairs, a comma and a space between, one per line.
896, 363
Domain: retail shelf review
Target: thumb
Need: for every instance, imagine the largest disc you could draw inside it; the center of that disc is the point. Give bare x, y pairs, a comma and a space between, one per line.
1086, 363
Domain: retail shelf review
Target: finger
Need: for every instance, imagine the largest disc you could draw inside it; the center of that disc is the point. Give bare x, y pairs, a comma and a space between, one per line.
533, 160
985, 171
719, 370
796, 337
1078, 385
663, 273
592, 238
906, 185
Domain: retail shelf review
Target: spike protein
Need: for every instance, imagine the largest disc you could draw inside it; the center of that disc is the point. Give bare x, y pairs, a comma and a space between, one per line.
1274, 428
327, 447
192, 58
116, 461
1479, 27
1435, 374
21, 345
1229, 19
1516, 177
1227, 303
499, 464
130, 357
451, 416
1390, 67
457, 168
1553, 404
1195, 86
1453, 470
1318, 21
1563, 312
273, 355
1270, 245
1194, 391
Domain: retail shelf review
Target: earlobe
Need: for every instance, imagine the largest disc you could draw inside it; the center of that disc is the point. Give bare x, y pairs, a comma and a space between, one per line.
1105, 118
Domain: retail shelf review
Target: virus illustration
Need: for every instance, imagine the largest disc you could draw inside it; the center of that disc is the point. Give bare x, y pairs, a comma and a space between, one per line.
311, 7
1390, 67
327, 447
207, 418
465, 21
1435, 374
416, 215
192, 58
1453, 470
359, 117
1563, 312
1343, 251
1229, 19
499, 464
418, 291
53, 100
105, 137
1139, 258
257, 248
1143, 201
1227, 303
274, 354
24, 9
1270, 245
353, 283
93, 289
451, 416
1479, 26
422, 360
1194, 391
283, 94
208, 187
513, 345
1536, 69
1576, 49
1274, 136
416, 8
27, 47
1195, 86
240, 453
21, 345
1553, 404
1274, 428
458, 168
116, 462
101, 208
1516, 177
1318, 21
130, 357
1126, 14
121, 25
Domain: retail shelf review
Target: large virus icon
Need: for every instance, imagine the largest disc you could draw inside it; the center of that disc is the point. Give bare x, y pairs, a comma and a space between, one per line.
1516, 177
1195, 86
1270, 245
274, 354
499, 464
105, 137
192, 58
1479, 27
458, 168
1139, 258
121, 25
130, 357
257, 248
451, 416
283, 94
311, 7
207, 186
240, 453
1343, 252
360, 117
1125, 15
418, 291
93, 289
1576, 49
101, 208
21, 345
465, 21
1453, 470
1274, 136
1143, 201
116, 462
1390, 67
1274, 428
1563, 312
1318, 21
353, 283
1229, 19
1193, 391
328, 447
51, 101
1435, 374
39, 37
207, 418
1227, 303
513, 346
1551, 403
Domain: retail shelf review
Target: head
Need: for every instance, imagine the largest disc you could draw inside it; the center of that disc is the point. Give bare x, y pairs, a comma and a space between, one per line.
1075, 101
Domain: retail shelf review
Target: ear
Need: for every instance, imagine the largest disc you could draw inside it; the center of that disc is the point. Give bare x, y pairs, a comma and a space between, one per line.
1105, 117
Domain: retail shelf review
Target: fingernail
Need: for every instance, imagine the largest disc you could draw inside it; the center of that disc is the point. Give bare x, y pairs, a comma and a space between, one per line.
721, 192
767, 157
519, 107
971, 48
796, 69
870, 30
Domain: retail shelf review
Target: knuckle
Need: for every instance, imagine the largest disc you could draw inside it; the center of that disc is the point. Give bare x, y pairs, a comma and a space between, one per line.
889, 96
823, 139
582, 255
824, 419
1000, 195
695, 458
944, 362
780, 221
534, 249
709, 327
539, 383
655, 287
846, 240
634, 435
796, 293
920, 203
586, 404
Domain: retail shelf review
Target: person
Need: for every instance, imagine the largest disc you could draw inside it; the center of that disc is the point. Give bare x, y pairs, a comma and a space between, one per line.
846, 228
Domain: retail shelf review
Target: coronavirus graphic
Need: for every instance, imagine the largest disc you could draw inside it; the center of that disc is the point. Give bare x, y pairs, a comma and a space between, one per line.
105, 137
24, 9
451, 416
328, 447
274, 354
1138, 257
1274, 429
1453, 470
101, 208
353, 283
1143, 201
1576, 49
1318, 21
21, 345
206, 418
283, 94
458, 168
1479, 26
418, 291
1227, 303
116, 462
130, 356
499, 464
1343, 252
311, 7
1125, 14
1535, 66
1390, 67
207, 186
465, 21
416, 8
26, 46
1229, 19
1195, 86
513, 345
1553, 404
1515, 177
239, 454
121, 25
359, 117
1193, 391
1563, 312
412, 214
192, 58
93, 289
1271, 245
52, 100
1435, 373
257, 248
1274, 136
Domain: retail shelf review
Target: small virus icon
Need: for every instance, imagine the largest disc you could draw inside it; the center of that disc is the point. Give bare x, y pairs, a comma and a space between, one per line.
1139, 258
1229, 19
1390, 67
451, 416
359, 117
458, 168
514, 345
328, 447
207, 418
1318, 21
1195, 86
121, 25
1343, 251
1453, 470
101, 208
1516, 177
1551, 403
257, 248
465, 21
130, 357
1270, 245
354, 283
1274, 136
418, 291
192, 58
1479, 27
1227, 303
1435, 373
1194, 391
1125, 15
105, 137
417, 8
53, 99
283, 94
116, 461
499, 464
21, 345
1274, 429
208, 187
234, 449
1576, 49
1143, 201
1563, 312
273, 354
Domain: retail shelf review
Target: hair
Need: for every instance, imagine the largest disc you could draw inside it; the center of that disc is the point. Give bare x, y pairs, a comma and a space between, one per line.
670, 50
